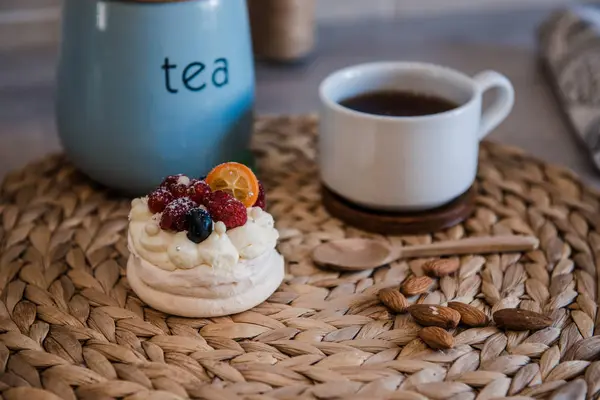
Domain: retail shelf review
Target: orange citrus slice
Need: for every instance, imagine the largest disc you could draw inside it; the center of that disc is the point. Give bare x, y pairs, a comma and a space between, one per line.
235, 179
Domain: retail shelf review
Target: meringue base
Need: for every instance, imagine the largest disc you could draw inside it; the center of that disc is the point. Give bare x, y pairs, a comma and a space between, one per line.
195, 307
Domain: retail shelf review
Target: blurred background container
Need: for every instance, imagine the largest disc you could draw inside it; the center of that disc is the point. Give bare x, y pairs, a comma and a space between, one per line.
282, 30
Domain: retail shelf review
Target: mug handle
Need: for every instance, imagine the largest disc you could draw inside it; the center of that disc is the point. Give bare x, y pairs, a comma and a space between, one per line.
502, 105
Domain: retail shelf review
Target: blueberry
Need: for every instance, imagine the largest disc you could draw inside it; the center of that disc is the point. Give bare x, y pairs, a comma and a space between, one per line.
201, 225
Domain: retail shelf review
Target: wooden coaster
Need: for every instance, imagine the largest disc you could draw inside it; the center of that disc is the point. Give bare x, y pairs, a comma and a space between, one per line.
400, 223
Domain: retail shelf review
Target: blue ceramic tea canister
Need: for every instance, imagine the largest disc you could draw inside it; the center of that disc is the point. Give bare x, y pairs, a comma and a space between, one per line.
149, 89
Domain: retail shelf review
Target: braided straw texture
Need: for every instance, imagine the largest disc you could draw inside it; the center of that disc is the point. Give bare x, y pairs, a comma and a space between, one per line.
70, 327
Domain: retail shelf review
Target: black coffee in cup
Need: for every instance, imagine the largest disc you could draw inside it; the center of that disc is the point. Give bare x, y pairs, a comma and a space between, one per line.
395, 103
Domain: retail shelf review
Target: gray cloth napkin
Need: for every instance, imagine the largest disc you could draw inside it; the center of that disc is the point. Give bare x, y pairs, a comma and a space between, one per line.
570, 50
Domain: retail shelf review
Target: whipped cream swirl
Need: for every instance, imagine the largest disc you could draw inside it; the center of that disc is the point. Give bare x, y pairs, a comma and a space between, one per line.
223, 249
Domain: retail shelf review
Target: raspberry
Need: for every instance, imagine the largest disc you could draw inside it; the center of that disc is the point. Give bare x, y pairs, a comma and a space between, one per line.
225, 208
261, 201
179, 190
170, 181
199, 191
220, 197
177, 184
174, 216
159, 199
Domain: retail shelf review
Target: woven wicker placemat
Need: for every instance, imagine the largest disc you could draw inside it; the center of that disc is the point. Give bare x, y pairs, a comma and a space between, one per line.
69, 326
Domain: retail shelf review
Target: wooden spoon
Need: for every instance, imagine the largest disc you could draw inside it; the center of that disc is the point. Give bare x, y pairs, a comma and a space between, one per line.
361, 254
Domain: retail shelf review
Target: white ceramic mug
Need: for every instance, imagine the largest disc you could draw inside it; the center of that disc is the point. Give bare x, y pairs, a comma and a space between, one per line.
406, 163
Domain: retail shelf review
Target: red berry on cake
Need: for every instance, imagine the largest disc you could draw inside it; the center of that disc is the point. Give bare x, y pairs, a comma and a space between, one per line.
174, 217
177, 185
159, 199
170, 181
227, 209
179, 190
219, 196
261, 201
199, 191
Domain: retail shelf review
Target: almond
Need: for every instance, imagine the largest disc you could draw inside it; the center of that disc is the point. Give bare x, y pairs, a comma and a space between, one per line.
393, 299
441, 267
430, 315
469, 315
521, 320
436, 338
416, 285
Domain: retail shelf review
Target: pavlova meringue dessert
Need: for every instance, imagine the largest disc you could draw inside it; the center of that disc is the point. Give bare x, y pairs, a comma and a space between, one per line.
204, 248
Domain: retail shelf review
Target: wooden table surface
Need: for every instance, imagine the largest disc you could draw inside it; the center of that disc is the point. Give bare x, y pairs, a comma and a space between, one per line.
501, 41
